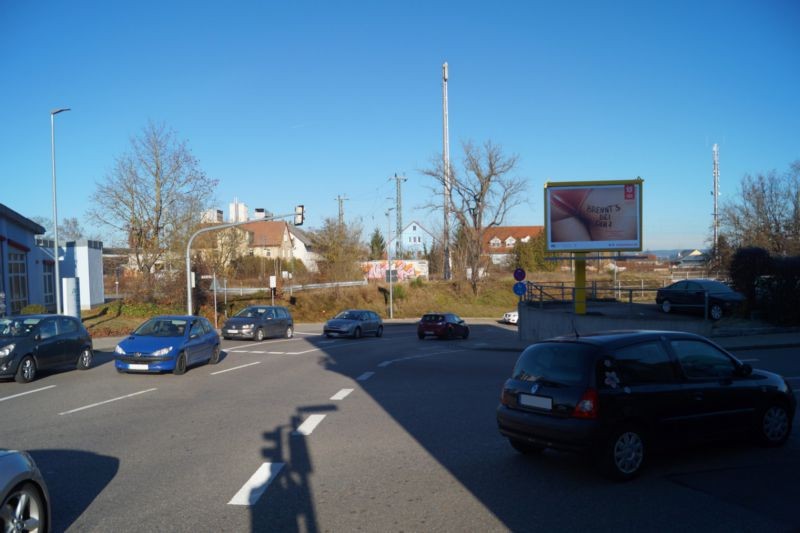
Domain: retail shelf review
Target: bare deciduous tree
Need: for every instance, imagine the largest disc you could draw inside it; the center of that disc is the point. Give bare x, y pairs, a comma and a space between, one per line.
153, 196
481, 196
766, 214
340, 249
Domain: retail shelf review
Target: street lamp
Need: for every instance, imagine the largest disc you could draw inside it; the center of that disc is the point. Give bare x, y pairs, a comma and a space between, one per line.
389, 257
57, 274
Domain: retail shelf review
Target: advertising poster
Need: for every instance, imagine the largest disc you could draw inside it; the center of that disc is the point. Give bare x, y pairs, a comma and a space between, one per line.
594, 216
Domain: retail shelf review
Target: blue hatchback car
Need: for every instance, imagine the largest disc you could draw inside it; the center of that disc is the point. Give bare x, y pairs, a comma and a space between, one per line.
168, 344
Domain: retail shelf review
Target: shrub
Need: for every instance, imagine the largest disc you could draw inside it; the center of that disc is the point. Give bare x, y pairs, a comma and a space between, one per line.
33, 309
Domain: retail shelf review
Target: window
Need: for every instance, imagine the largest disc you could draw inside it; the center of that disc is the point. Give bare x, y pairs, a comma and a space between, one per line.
197, 329
702, 360
511, 241
647, 362
526, 238
414, 228
495, 243
18, 281
49, 285
66, 325
563, 363
47, 329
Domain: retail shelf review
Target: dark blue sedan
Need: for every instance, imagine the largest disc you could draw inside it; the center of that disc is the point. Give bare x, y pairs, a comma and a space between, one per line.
168, 344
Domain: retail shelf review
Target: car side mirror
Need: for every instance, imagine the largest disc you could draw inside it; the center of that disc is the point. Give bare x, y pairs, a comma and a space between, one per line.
37, 337
744, 370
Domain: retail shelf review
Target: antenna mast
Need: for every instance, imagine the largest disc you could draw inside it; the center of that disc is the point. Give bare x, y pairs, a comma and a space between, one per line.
447, 185
715, 193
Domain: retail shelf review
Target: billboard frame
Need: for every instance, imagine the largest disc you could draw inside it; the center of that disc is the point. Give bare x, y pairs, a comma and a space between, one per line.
550, 185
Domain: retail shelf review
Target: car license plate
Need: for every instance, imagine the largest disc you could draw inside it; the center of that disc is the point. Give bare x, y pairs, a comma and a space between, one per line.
540, 402
137, 367
231, 331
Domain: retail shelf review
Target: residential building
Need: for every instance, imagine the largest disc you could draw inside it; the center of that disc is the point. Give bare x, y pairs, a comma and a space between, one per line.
415, 241
237, 211
26, 276
499, 241
212, 216
303, 248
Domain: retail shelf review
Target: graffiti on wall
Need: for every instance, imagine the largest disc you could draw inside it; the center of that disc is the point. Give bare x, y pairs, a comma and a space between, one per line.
406, 269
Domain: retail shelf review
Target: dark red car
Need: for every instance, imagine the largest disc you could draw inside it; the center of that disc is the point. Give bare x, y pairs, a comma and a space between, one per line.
442, 325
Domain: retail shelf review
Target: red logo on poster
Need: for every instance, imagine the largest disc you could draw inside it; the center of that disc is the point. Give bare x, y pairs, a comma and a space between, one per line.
629, 192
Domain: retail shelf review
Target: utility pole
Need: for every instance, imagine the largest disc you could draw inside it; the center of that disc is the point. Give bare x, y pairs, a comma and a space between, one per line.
446, 168
341, 200
715, 193
398, 248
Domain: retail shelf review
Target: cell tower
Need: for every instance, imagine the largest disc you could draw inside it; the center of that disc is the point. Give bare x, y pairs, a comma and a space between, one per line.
715, 193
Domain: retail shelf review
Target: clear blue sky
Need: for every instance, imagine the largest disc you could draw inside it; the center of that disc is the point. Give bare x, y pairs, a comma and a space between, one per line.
297, 102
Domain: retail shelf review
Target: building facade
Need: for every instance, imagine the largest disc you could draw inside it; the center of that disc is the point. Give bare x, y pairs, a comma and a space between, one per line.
26, 275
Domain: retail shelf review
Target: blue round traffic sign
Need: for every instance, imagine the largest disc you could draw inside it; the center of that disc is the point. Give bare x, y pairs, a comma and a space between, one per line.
519, 274
519, 288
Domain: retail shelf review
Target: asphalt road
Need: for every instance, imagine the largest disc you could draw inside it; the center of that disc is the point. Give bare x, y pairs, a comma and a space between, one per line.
389, 434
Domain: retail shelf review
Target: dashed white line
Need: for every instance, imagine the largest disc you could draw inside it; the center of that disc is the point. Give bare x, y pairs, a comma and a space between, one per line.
235, 368
276, 353
365, 376
252, 490
107, 401
256, 351
384, 364
342, 394
309, 425
26, 393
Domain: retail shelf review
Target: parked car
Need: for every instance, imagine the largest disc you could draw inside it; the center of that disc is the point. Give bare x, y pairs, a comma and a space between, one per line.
354, 323
259, 321
29, 343
24, 500
442, 325
168, 343
691, 294
618, 395
511, 317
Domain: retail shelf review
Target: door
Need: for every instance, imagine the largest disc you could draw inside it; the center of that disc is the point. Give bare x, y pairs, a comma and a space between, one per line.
195, 344
72, 342
49, 346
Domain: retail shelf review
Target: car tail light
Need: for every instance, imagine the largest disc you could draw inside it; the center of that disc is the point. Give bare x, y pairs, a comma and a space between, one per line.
586, 406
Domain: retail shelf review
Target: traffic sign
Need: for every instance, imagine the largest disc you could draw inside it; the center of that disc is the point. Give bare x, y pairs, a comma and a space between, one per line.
519, 274
520, 288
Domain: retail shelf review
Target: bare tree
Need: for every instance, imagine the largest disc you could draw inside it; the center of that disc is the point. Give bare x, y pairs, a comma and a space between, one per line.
481, 197
70, 229
153, 196
766, 214
340, 249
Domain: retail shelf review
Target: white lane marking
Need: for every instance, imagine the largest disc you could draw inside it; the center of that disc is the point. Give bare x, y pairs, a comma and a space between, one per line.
309, 425
276, 353
235, 368
342, 394
236, 351
256, 351
252, 490
301, 353
384, 364
26, 393
107, 401
365, 376
309, 334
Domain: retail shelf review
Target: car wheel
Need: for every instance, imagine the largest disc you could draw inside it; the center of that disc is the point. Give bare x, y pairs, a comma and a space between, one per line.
379, 333
715, 311
120, 370
466, 333
289, 332
775, 425
259, 334
85, 359
625, 454
357, 333
214, 356
525, 448
26, 370
420, 335
24, 509
666, 306
180, 365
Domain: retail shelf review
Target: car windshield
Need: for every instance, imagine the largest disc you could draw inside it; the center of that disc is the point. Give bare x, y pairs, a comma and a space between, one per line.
556, 362
162, 327
11, 327
349, 315
250, 312
432, 318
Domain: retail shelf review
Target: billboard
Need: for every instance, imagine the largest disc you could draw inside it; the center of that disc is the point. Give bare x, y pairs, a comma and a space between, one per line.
590, 216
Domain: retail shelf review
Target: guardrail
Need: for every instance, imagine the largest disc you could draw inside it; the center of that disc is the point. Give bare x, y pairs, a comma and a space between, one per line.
241, 291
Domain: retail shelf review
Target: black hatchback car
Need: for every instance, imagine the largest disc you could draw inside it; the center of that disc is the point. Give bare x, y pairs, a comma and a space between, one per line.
259, 321
620, 394
30, 343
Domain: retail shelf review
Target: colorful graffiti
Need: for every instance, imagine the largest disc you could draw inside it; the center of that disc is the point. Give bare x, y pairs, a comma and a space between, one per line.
406, 269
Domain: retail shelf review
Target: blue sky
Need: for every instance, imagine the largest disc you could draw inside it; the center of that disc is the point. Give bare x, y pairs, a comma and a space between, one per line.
299, 102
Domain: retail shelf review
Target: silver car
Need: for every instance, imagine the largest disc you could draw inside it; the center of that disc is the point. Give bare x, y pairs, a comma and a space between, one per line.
23, 493
354, 323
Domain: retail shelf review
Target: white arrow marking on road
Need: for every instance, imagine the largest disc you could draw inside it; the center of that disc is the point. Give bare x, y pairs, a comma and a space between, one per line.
309, 425
26, 392
342, 394
365, 376
107, 401
235, 368
256, 485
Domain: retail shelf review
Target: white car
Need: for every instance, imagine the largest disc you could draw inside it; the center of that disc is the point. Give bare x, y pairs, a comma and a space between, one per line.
511, 317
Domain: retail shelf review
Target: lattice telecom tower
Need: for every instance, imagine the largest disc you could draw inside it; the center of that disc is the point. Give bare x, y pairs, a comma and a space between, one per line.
715, 193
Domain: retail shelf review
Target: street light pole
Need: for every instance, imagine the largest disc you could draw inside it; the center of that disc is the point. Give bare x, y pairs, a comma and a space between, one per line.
389, 258
57, 273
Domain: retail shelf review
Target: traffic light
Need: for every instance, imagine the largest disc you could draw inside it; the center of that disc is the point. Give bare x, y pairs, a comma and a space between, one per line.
299, 215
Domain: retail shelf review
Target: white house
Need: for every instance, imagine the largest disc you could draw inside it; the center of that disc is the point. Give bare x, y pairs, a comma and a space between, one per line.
413, 239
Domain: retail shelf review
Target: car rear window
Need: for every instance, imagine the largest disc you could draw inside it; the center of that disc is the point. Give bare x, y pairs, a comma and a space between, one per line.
432, 318
557, 362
